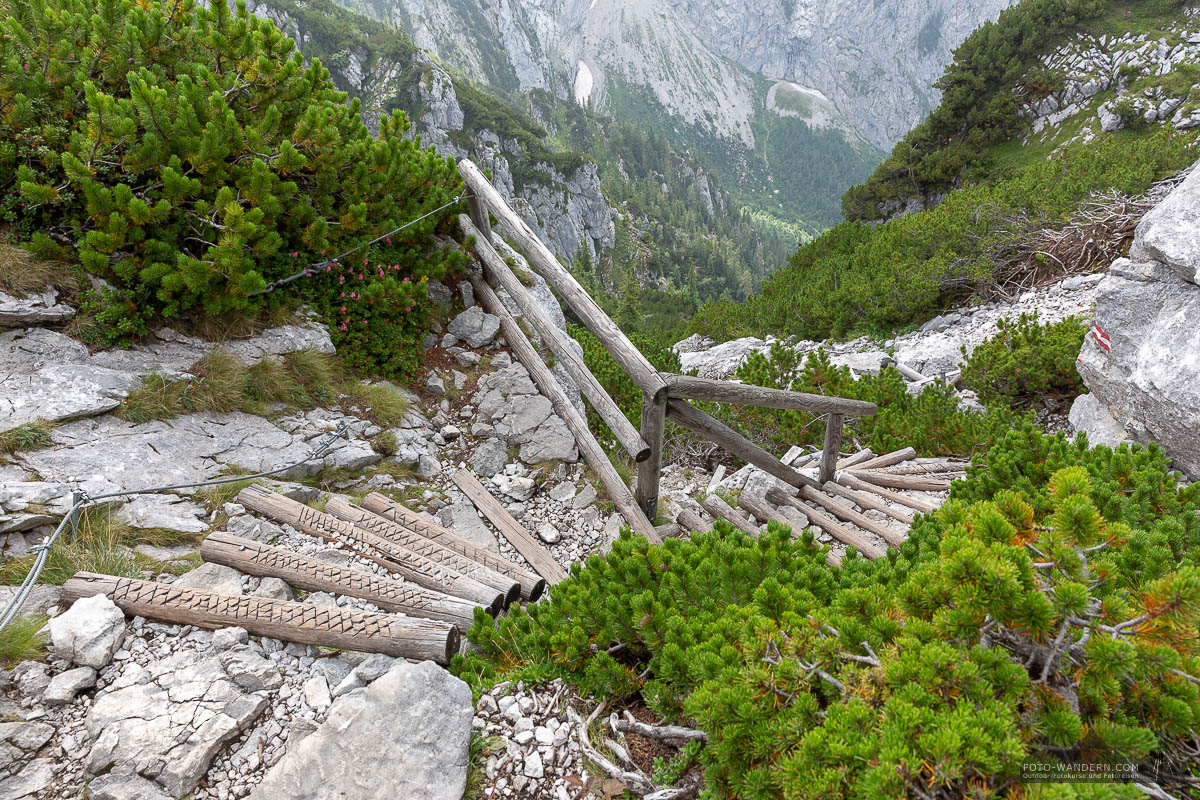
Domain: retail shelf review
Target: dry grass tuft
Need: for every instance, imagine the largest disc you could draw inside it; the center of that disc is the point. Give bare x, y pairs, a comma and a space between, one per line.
21, 272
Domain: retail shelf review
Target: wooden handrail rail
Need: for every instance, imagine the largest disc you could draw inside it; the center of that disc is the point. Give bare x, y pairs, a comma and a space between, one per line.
498, 272
540, 258
742, 394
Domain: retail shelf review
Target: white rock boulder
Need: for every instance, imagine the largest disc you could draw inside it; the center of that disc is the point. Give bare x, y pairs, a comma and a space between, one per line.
89, 632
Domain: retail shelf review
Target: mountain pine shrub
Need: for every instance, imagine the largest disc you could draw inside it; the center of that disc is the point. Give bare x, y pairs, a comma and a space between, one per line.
861, 278
1026, 362
186, 155
1048, 611
931, 421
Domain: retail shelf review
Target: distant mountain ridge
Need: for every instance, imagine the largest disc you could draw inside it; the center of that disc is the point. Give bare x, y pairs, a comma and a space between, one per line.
709, 74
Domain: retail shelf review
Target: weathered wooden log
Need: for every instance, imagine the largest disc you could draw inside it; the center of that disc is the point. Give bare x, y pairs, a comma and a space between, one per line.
759, 507
399, 534
865, 500
540, 258
670, 530
915, 468
688, 387
716, 431
905, 370
719, 508
653, 423
499, 273
833, 445
914, 483
828, 524
532, 586
854, 483
857, 458
401, 637
690, 521
314, 575
765, 512
479, 218
412, 566
522, 540
888, 459
853, 516
591, 450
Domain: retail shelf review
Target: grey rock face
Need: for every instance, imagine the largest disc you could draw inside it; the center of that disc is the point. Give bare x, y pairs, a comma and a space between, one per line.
415, 721
1091, 417
212, 578
1170, 232
89, 632
64, 686
39, 308
1150, 380
475, 327
274, 588
163, 511
520, 416
489, 458
116, 786
167, 721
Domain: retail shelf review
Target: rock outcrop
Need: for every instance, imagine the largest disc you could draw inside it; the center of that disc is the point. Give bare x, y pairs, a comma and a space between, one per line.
1142, 359
414, 722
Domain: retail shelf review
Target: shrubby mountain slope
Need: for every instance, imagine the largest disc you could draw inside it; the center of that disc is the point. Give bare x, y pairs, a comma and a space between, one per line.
614, 197
790, 102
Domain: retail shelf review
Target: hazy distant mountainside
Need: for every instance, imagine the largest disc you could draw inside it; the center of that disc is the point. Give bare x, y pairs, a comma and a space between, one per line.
615, 198
1048, 72
1056, 120
789, 101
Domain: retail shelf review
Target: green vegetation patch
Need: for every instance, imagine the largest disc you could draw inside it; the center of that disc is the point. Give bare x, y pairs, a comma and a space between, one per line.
1048, 611
1026, 362
862, 278
195, 158
21, 640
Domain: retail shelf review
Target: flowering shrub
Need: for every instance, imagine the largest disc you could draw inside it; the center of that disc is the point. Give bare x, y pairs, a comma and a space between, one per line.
377, 305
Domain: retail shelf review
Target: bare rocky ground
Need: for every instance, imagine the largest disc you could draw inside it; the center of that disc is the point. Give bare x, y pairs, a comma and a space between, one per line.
143, 710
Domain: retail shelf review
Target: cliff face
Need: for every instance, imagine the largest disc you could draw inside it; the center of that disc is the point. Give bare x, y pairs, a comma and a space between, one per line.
559, 198
875, 60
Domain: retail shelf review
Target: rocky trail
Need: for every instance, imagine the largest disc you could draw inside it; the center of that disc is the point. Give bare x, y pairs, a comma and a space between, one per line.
133, 708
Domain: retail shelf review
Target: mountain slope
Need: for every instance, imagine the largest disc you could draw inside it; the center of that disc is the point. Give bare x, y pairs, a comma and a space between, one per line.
611, 197
1034, 166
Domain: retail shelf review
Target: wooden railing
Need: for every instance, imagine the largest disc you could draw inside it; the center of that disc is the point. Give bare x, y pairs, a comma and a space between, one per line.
663, 394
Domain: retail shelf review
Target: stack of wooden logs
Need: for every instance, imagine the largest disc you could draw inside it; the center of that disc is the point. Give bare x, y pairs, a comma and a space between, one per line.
896, 485
431, 585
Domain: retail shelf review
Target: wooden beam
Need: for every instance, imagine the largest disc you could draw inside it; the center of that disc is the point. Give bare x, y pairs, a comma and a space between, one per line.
915, 483
765, 512
540, 258
853, 516
403, 536
719, 508
400, 637
522, 540
857, 458
479, 218
396, 558
653, 422
936, 468
692, 522
714, 430
742, 394
833, 446
314, 575
499, 273
854, 483
830, 525
532, 586
759, 507
888, 459
865, 500
669, 531
591, 450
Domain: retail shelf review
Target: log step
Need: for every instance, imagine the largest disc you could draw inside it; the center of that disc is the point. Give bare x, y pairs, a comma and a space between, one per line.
400, 637
314, 575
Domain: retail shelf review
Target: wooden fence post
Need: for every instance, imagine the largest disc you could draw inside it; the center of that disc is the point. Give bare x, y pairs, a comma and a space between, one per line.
832, 448
654, 414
